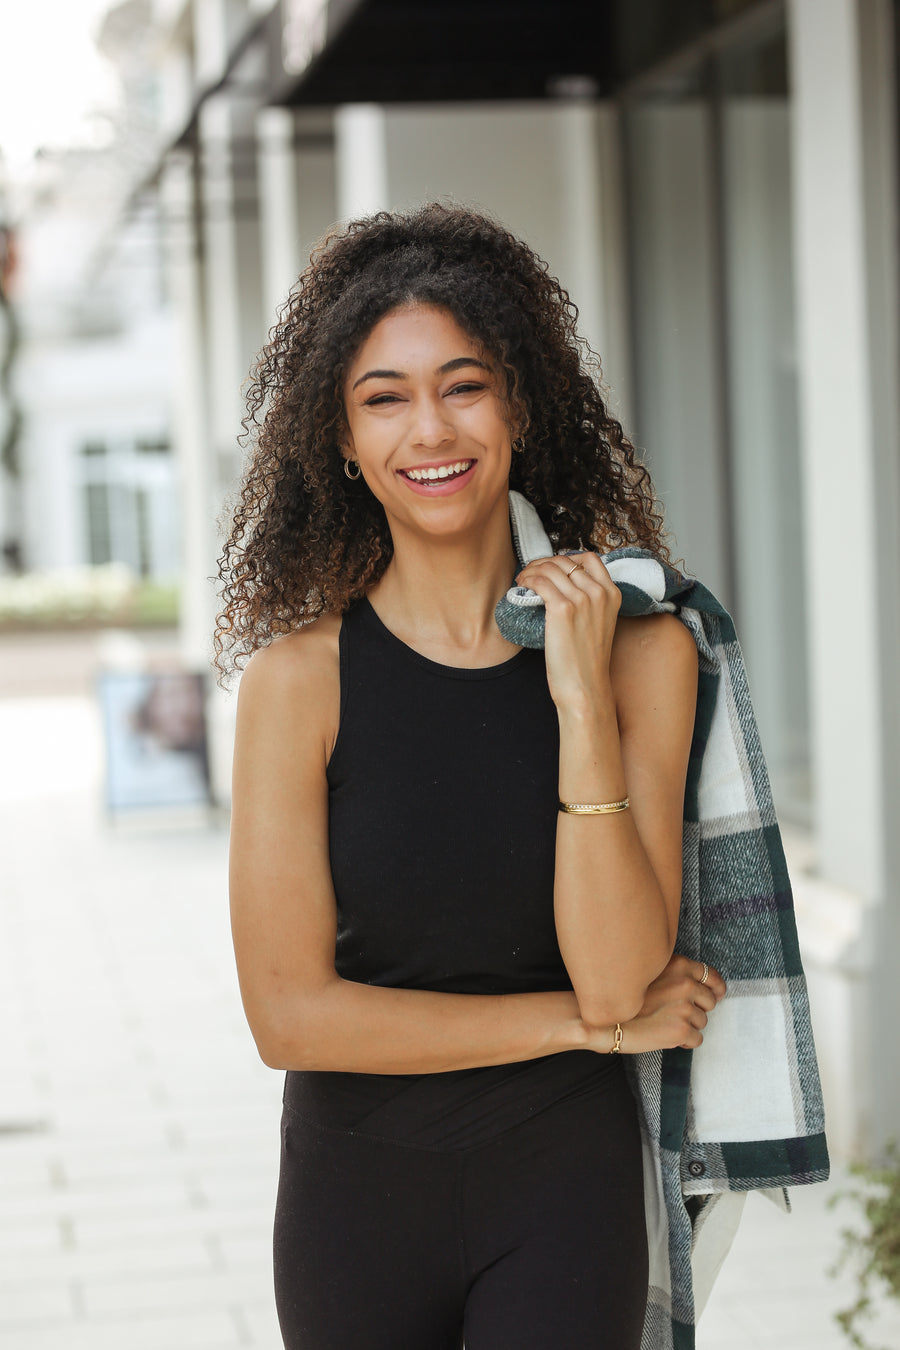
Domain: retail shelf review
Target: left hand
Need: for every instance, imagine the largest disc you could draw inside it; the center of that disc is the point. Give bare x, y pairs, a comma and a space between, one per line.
581, 603
676, 1008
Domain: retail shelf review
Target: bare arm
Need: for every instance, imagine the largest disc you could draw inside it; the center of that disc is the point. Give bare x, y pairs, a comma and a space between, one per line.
301, 1013
626, 697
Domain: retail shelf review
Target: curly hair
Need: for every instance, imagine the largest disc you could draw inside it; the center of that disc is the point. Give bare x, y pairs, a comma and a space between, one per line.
305, 541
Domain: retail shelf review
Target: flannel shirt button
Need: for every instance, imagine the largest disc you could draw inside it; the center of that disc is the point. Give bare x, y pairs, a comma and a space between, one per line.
696, 1169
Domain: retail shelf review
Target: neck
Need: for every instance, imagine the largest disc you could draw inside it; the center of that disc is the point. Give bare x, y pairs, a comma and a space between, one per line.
441, 593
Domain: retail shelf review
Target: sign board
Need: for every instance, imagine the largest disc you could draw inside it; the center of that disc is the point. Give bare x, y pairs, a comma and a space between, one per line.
156, 739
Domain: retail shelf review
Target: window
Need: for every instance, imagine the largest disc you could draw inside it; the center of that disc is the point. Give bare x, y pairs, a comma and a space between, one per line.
130, 504
96, 496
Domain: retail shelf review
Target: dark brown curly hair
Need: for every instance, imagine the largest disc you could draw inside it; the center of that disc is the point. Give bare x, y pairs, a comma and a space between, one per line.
305, 541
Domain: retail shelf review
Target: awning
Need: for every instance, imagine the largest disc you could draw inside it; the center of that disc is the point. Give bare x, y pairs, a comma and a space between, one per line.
323, 53
424, 51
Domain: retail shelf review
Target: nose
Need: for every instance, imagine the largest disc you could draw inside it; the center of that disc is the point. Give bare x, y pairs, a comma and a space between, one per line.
432, 426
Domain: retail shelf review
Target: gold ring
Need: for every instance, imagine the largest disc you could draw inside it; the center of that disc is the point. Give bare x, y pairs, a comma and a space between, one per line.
575, 569
705, 976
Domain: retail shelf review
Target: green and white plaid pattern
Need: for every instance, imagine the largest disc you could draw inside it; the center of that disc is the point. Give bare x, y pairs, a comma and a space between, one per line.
744, 1112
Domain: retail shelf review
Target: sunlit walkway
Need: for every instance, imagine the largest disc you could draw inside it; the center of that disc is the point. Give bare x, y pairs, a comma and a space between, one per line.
138, 1129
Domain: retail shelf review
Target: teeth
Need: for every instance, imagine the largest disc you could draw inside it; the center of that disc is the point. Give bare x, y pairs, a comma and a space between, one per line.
434, 475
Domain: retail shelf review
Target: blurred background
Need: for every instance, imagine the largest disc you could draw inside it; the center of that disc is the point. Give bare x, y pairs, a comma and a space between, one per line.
715, 182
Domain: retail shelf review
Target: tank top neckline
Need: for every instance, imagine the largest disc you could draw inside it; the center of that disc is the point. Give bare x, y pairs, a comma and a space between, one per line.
436, 667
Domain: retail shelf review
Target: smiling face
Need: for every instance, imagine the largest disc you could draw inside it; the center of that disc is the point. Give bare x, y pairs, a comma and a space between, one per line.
426, 420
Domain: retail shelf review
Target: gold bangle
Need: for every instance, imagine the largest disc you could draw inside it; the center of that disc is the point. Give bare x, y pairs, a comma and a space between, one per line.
594, 808
617, 1044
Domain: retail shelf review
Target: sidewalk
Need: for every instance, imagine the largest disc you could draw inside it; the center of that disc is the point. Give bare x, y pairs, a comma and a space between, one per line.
138, 1128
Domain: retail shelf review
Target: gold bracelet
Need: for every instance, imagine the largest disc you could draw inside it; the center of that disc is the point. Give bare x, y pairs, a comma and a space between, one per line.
617, 1044
594, 808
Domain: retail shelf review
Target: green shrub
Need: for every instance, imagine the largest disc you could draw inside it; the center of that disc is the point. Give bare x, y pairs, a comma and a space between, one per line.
85, 597
875, 1251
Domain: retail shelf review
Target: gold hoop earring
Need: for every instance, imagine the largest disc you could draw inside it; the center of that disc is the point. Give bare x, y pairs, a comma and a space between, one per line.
518, 444
352, 476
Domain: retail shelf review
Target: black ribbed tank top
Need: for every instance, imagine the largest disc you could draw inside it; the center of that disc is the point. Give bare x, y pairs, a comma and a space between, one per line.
443, 813
442, 830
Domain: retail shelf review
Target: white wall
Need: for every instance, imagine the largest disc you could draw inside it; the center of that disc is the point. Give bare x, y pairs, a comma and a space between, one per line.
845, 225
317, 209
534, 166
763, 433
297, 195
77, 390
675, 326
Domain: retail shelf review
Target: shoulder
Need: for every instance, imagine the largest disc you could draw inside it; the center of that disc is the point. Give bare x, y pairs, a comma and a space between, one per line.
297, 659
654, 637
653, 664
293, 685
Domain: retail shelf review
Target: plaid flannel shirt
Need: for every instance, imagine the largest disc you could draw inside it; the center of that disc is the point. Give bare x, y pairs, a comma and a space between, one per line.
744, 1112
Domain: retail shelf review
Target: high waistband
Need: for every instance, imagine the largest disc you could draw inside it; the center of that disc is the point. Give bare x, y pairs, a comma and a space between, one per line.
453, 1111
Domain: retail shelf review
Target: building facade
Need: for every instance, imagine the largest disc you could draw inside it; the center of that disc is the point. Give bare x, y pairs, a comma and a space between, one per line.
715, 183
95, 477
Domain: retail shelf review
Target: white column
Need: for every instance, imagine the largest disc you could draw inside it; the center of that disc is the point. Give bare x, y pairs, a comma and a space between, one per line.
576, 127
842, 153
837, 436
234, 328
879, 108
361, 152
189, 411
210, 26
613, 249
227, 363
592, 214
280, 237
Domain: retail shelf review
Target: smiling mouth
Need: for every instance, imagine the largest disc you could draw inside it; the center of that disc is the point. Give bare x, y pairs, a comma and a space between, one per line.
439, 475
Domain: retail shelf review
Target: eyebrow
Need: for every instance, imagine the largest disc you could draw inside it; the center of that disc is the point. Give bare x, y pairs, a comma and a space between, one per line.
456, 364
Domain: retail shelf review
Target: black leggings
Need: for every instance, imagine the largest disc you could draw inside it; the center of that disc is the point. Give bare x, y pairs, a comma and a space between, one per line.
533, 1241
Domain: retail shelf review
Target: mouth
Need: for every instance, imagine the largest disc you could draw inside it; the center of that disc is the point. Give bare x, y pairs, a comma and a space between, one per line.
439, 474
434, 478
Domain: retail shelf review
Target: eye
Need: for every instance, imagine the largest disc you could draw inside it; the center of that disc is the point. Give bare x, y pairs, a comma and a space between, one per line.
378, 399
467, 387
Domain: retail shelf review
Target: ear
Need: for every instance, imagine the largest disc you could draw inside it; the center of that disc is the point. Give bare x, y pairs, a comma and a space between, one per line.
346, 443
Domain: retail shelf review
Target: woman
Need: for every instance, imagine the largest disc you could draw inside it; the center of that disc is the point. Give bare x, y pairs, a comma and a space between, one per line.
448, 962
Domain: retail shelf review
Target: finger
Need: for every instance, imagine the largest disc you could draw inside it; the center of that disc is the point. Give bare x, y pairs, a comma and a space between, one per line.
709, 977
581, 569
592, 565
716, 983
548, 570
548, 584
555, 583
704, 997
576, 565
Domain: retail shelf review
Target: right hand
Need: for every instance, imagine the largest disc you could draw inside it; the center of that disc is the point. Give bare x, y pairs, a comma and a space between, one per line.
676, 1008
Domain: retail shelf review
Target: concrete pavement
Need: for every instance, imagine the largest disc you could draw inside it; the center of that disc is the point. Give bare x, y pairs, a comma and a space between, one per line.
138, 1129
